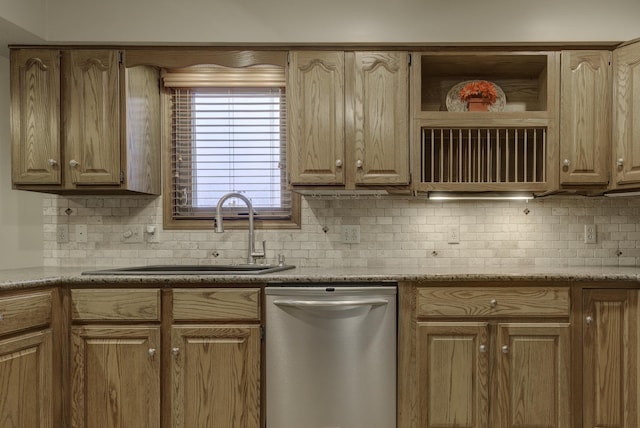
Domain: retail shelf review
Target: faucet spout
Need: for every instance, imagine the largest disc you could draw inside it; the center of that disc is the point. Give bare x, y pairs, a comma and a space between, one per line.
252, 254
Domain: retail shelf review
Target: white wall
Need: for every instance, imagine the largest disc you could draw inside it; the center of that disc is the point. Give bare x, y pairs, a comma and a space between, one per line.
309, 21
21, 222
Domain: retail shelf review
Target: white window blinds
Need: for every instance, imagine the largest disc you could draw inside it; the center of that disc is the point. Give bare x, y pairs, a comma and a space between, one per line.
228, 129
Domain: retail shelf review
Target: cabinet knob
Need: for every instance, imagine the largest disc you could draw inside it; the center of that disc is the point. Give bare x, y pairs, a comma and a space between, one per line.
151, 352
359, 163
505, 349
493, 303
589, 319
175, 351
73, 163
620, 162
338, 163
566, 162
52, 162
483, 348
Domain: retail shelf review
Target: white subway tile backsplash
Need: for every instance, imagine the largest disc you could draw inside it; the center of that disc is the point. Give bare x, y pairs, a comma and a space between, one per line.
394, 231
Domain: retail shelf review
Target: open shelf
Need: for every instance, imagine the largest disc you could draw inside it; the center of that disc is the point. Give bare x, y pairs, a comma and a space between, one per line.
523, 77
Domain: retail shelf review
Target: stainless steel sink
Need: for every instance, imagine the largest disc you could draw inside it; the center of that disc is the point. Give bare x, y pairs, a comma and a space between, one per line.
244, 269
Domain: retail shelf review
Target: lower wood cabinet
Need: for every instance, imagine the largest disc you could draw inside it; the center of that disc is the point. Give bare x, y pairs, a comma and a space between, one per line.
26, 387
486, 357
484, 375
115, 377
611, 358
215, 373
115, 358
215, 358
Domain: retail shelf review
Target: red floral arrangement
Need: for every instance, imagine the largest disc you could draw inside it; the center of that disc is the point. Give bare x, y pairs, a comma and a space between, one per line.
479, 88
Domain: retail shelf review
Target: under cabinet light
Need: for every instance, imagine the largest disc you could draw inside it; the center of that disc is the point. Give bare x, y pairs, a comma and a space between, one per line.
480, 196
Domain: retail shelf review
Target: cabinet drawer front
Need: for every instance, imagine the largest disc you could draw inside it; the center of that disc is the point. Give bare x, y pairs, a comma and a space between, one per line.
216, 304
493, 301
116, 304
25, 311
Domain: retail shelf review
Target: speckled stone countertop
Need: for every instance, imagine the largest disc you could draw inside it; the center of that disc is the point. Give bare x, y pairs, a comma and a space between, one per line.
44, 276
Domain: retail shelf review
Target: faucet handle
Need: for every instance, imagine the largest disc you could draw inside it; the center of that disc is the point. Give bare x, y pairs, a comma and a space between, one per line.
260, 254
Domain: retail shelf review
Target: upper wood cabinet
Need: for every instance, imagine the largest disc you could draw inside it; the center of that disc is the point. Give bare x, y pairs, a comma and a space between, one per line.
513, 146
348, 118
585, 118
626, 116
82, 122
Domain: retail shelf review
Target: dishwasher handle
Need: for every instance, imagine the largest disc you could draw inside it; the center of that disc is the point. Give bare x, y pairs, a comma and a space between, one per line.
329, 304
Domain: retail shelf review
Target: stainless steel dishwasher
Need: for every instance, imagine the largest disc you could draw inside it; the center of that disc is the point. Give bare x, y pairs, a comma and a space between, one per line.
331, 356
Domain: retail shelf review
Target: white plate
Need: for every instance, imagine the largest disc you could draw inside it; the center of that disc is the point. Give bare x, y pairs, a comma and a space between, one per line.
454, 103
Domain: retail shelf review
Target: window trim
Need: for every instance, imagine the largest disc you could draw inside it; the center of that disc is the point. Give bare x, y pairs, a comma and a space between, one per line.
171, 223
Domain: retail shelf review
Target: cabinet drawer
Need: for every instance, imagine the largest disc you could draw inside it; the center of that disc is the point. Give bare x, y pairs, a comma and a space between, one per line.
24, 311
226, 304
115, 304
493, 301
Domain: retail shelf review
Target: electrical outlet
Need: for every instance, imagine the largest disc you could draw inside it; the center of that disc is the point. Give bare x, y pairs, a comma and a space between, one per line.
453, 234
62, 233
350, 234
81, 233
590, 234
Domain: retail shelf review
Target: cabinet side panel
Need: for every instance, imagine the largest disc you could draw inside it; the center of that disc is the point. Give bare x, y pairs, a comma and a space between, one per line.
143, 125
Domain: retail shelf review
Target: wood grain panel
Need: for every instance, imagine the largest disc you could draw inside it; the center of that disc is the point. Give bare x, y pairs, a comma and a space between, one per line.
316, 140
25, 311
381, 117
115, 377
35, 116
216, 376
453, 375
492, 301
217, 304
142, 130
585, 115
92, 116
115, 304
26, 388
611, 338
534, 363
626, 127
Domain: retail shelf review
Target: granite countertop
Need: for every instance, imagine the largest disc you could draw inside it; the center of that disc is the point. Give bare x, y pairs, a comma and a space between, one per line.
44, 276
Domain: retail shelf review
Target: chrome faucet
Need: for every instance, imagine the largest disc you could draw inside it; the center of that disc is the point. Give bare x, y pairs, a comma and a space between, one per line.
252, 254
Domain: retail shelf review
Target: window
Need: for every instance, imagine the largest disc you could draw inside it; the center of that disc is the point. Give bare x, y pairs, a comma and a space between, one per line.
228, 134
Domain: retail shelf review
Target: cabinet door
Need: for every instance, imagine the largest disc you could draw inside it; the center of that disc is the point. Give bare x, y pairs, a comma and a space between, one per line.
380, 103
316, 117
115, 377
26, 381
35, 116
533, 376
215, 376
626, 126
92, 116
453, 374
611, 341
585, 116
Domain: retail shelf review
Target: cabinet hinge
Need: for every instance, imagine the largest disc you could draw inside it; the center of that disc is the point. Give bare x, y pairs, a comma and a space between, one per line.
121, 177
409, 59
262, 332
288, 58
